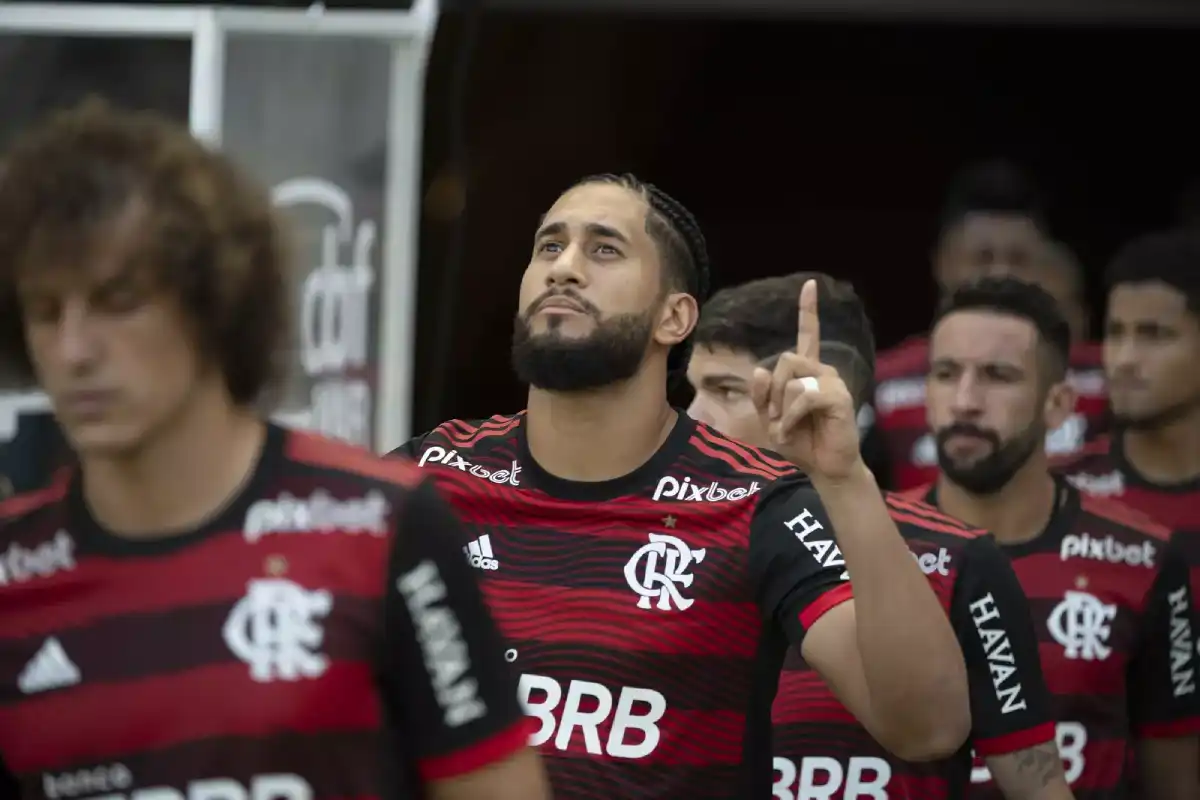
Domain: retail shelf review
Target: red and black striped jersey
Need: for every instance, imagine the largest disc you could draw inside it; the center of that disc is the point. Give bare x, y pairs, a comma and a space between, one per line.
1102, 470
897, 413
648, 615
321, 637
821, 750
1113, 610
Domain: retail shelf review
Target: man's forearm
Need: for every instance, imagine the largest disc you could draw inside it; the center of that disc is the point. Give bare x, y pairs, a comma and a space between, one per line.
911, 659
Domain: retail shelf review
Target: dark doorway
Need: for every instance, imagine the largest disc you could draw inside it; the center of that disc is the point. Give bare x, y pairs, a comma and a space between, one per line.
798, 145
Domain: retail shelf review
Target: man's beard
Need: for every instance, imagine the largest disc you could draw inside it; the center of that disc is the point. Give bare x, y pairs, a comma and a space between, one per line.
612, 353
991, 473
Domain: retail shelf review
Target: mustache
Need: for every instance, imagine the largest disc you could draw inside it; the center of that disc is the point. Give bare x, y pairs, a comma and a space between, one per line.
568, 294
966, 429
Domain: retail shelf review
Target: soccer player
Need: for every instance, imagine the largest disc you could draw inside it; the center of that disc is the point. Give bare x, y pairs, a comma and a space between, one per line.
210, 606
992, 225
649, 572
820, 750
1151, 353
1109, 589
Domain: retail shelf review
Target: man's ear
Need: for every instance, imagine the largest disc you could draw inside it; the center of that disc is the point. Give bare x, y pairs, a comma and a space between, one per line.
677, 319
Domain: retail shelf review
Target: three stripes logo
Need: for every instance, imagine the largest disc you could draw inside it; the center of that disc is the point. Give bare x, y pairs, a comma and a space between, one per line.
479, 553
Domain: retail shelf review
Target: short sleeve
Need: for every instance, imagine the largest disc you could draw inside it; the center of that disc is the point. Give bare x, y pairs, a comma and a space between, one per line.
795, 563
1163, 700
445, 680
1010, 704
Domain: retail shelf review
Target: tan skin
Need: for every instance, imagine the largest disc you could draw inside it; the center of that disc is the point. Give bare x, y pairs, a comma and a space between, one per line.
986, 369
722, 380
593, 243
1151, 343
161, 442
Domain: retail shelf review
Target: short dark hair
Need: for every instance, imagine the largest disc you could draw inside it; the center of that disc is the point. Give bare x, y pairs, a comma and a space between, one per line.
992, 187
211, 235
1017, 298
680, 243
1171, 257
760, 318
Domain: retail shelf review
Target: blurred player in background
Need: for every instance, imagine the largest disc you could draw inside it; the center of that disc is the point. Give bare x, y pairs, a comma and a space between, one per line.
210, 604
1108, 588
993, 224
649, 572
1151, 460
820, 749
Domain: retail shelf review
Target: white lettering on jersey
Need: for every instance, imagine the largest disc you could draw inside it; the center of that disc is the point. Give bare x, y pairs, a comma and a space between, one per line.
440, 635
934, 563
900, 393
18, 564
1110, 484
260, 787
318, 513
275, 629
1001, 662
102, 779
823, 548
1183, 643
451, 458
1080, 624
1107, 549
1071, 738
669, 488
632, 722
822, 778
659, 569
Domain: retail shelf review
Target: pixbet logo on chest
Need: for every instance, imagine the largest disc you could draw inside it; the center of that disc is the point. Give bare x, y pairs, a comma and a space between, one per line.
669, 488
452, 459
1107, 549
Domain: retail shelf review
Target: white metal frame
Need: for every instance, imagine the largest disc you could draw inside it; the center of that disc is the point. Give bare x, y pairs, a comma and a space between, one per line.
409, 34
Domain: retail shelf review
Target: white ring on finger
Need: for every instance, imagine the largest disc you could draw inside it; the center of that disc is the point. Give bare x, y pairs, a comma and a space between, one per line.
810, 384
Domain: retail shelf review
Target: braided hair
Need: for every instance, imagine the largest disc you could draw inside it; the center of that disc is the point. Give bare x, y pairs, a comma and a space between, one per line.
681, 248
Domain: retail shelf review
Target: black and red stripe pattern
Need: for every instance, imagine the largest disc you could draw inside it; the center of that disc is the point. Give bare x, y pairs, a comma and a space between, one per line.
1109, 593
126, 665
648, 664
821, 750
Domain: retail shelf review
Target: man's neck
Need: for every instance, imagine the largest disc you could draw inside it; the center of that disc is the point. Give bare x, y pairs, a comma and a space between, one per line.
1167, 455
1016, 514
600, 435
182, 477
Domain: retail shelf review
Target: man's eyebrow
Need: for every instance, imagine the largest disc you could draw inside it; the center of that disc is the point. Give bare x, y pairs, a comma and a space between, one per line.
718, 378
593, 229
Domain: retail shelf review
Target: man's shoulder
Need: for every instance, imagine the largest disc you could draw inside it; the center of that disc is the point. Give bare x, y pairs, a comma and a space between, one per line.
462, 435
918, 520
1100, 516
1093, 470
714, 454
310, 451
909, 359
22, 507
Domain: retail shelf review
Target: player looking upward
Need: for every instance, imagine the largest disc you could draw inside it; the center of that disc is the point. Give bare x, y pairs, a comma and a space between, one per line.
1108, 588
993, 224
211, 606
1151, 353
649, 572
820, 749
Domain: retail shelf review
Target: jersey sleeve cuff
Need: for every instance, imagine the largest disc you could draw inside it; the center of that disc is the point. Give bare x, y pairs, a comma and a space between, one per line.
829, 600
478, 755
1169, 729
1012, 742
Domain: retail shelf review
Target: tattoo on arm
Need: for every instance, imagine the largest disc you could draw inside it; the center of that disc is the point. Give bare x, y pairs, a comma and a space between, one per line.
1026, 772
1040, 764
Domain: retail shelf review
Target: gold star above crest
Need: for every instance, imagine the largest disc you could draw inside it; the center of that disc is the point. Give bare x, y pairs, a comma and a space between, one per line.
669, 521
275, 565
1081, 582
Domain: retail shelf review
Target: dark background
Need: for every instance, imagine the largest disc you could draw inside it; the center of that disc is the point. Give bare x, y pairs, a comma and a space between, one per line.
798, 145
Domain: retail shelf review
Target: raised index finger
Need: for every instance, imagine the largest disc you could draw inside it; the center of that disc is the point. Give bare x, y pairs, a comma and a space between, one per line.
808, 340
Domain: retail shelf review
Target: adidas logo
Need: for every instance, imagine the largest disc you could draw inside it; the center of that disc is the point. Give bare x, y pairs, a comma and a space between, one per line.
479, 553
50, 668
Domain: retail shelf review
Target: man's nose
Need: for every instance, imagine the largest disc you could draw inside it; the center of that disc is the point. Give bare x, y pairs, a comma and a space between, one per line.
75, 340
568, 268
